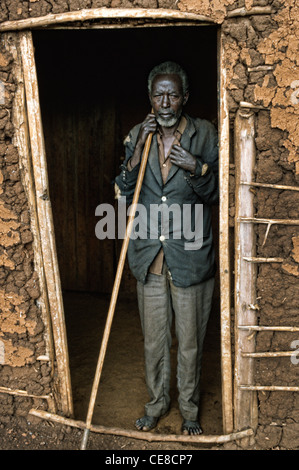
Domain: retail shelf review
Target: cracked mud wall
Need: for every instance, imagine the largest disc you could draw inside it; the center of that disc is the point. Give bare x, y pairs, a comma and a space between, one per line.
262, 54
262, 66
21, 327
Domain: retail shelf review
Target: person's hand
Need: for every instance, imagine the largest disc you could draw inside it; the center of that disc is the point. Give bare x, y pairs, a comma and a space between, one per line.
182, 158
148, 126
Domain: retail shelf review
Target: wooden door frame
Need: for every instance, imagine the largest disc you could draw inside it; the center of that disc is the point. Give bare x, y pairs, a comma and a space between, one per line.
30, 141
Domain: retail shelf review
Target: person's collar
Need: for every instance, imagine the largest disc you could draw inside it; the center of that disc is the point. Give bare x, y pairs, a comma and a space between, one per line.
182, 125
180, 128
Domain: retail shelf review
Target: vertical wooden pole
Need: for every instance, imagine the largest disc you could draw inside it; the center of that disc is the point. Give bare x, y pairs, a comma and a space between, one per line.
224, 255
45, 220
115, 291
22, 141
245, 402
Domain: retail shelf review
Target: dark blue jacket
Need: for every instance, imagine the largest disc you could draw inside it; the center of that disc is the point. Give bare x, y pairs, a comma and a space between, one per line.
187, 266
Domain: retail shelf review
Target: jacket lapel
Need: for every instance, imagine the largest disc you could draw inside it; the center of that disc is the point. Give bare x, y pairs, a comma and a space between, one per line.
153, 161
185, 143
153, 158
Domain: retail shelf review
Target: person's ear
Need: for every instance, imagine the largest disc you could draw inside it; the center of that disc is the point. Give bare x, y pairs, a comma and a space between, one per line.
186, 97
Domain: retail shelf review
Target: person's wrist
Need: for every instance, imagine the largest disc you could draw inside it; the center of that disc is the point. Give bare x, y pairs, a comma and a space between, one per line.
134, 161
192, 168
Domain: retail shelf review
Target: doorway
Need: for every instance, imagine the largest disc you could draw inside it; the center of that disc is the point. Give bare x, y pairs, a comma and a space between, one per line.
93, 89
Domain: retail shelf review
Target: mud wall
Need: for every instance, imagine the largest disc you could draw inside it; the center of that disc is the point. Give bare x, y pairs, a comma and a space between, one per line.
22, 330
262, 68
263, 71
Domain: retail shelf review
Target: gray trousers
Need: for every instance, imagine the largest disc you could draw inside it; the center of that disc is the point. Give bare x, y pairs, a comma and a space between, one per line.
157, 300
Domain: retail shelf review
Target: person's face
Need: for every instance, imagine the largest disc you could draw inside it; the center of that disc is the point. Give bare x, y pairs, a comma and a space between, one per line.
167, 99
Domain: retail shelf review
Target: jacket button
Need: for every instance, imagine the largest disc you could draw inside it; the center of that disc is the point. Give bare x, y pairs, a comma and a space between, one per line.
162, 238
163, 198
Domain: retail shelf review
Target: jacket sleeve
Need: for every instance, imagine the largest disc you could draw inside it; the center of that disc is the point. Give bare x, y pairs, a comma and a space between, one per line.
204, 180
125, 182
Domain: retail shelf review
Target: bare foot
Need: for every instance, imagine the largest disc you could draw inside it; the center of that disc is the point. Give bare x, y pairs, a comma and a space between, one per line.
146, 423
191, 427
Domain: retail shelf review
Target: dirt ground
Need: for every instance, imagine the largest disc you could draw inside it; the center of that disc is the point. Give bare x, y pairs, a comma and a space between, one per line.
122, 391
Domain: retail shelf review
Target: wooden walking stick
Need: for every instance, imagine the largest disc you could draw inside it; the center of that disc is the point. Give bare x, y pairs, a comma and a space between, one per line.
115, 290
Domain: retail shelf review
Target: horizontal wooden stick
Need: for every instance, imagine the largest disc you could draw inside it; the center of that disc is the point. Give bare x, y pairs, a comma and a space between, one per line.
101, 14
24, 393
151, 437
269, 388
253, 11
268, 328
273, 186
269, 221
263, 260
246, 104
260, 68
269, 354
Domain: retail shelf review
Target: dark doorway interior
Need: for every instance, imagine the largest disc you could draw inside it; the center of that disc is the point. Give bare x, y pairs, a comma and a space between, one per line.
93, 89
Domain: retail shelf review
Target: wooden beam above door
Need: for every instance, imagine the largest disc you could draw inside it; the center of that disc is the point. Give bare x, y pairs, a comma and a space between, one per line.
103, 14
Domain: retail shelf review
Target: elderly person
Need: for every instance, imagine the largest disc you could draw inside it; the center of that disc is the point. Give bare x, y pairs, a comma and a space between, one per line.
174, 275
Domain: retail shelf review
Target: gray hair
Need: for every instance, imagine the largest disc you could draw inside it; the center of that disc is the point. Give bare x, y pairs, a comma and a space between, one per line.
168, 68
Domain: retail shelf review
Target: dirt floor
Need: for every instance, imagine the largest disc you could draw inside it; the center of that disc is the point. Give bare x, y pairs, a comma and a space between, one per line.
122, 391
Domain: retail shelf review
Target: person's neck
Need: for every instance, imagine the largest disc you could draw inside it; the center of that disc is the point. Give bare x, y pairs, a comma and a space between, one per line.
169, 131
